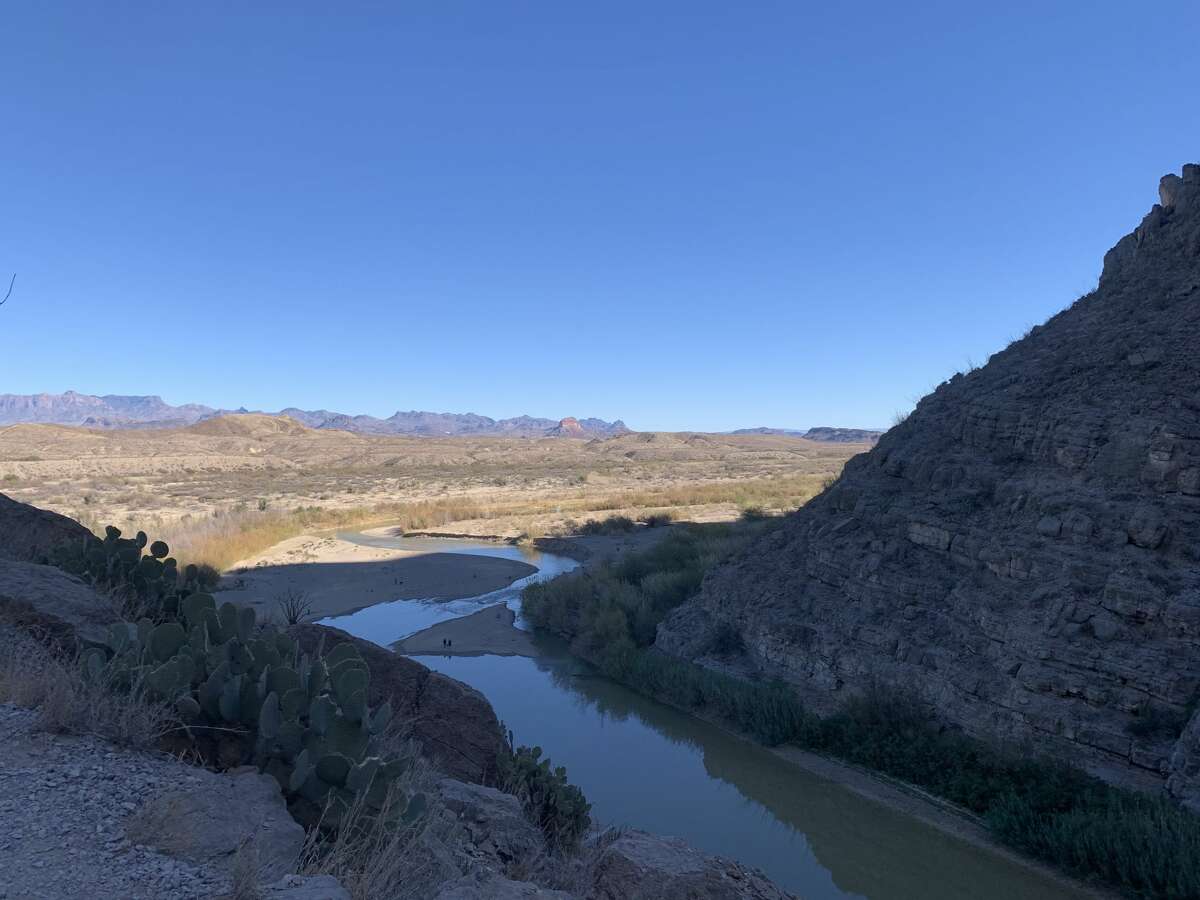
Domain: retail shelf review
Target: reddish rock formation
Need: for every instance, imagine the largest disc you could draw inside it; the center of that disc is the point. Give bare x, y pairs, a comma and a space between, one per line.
568, 427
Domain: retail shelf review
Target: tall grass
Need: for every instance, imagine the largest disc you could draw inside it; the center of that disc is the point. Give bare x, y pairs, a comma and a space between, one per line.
221, 541
1143, 845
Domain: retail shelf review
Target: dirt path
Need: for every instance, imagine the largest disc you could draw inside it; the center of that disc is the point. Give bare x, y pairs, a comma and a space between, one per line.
64, 803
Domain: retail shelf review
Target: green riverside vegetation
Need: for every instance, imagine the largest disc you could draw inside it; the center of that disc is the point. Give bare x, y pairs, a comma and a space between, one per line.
1144, 845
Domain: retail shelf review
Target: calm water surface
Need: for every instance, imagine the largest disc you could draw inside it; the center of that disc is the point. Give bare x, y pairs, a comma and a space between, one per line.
386, 623
647, 765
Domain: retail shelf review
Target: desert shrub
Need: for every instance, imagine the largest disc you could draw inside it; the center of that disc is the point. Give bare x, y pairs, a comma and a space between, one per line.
621, 603
754, 514
555, 805
657, 520
770, 712
293, 606
66, 702
1142, 845
611, 525
1145, 845
206, 576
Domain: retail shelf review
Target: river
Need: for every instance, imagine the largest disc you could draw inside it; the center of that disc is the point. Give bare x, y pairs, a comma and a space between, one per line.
647, 765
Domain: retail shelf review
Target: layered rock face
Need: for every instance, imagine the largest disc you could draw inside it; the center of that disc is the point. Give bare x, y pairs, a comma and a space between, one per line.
1024, 550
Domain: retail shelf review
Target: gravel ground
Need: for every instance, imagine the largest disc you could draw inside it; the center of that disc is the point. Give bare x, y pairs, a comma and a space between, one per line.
63, 805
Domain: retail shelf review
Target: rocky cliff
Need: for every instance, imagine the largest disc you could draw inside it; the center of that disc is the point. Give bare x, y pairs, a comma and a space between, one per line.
1024, 550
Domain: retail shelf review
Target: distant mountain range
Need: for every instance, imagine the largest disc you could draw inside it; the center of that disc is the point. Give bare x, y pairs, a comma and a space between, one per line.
115, 411
821, 433
119, 411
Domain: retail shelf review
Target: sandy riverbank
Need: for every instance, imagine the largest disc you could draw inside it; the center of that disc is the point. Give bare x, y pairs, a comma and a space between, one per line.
489, 631
336, 577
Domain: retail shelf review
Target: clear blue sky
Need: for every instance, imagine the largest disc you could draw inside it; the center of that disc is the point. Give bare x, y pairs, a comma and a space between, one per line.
691, 215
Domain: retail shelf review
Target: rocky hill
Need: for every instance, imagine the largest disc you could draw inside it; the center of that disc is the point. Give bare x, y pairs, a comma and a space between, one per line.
843, 435
108, 411
569, 427
114, 411
820, 433
1024, 550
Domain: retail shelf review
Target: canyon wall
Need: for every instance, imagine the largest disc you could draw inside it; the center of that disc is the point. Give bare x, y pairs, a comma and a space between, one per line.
1023, 551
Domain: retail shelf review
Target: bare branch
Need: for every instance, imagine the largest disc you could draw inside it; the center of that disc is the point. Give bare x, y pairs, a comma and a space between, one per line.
10, 286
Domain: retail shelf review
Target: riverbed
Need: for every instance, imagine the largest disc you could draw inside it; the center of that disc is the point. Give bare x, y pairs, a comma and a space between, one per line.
647, 765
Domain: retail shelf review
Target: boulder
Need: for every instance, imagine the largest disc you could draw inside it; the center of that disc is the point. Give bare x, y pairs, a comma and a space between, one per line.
491, 822
32, 534
49, 602
482, 885
208, 820
454, 724
306, 887
642, 866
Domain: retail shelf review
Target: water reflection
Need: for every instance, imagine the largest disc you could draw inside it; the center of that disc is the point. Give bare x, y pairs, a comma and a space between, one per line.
647, 765
650, 766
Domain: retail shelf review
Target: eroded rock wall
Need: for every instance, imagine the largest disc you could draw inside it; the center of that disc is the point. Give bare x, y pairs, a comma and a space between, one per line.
1023, 550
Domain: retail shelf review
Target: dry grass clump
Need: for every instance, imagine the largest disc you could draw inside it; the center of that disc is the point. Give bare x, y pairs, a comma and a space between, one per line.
68, 703
371, 859
245, 874
573, 872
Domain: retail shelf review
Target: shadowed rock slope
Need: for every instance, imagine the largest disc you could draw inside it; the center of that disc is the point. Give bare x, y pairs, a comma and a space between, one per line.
1024, 550
31, 534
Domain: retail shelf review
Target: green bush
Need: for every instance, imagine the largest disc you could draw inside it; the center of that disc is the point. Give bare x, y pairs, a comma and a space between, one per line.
558, 807
1143, 845
618, 604
1146, 845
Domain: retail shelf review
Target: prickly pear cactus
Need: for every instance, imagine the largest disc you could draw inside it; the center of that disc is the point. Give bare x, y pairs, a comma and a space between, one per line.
126, 566
306, 721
